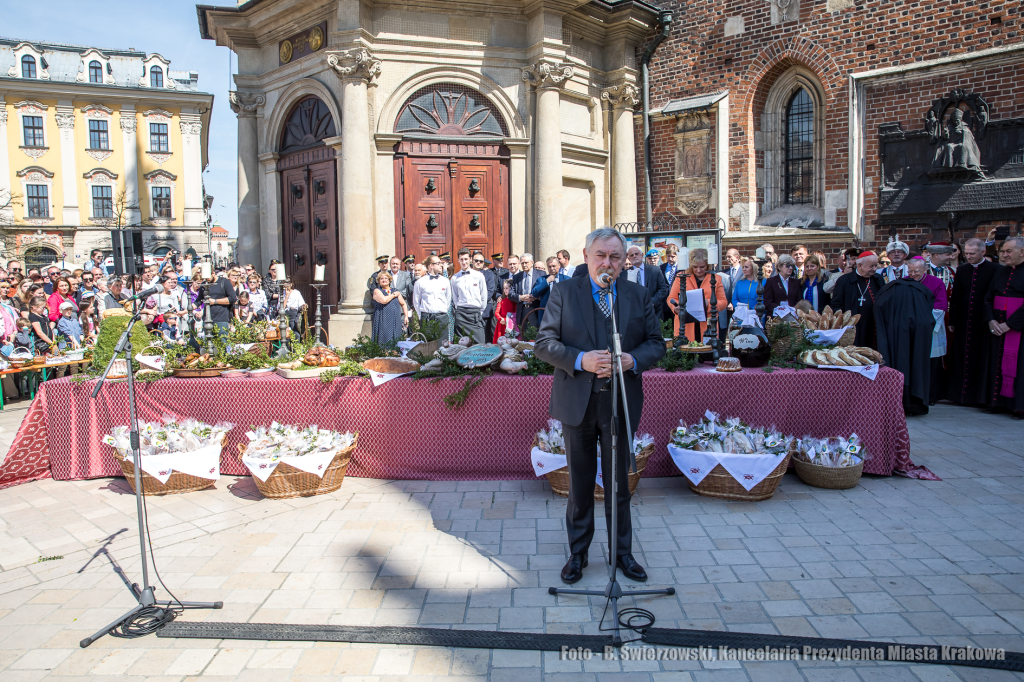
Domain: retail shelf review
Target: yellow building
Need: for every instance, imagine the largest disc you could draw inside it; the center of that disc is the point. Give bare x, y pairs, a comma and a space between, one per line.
92, 139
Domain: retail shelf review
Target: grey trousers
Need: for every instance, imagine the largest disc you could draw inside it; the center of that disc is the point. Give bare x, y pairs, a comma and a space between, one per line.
469, 322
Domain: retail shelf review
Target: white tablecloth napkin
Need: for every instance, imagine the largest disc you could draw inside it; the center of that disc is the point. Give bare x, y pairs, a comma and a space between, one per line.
544, 462
315, 463
407, 346
867, 371
826, 335
379, 378
204, 463
748, 470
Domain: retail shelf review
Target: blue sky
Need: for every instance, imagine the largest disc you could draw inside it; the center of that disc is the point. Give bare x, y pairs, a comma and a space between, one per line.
169, 27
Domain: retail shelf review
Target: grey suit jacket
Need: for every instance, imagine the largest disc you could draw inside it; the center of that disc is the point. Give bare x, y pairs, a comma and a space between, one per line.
568, 329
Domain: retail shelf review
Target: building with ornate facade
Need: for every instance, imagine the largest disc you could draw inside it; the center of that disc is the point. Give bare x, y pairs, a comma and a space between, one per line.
91, 139
370, 127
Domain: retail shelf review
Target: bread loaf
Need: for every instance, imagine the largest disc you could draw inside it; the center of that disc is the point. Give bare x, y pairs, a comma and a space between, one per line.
391, 365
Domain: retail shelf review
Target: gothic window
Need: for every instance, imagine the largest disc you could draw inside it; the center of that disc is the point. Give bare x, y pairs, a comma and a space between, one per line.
98, 138
38, 201
156, 77
450, 110
102, 201
158, 137
28, 67
33, 131
309, 123
799, 145
95, 72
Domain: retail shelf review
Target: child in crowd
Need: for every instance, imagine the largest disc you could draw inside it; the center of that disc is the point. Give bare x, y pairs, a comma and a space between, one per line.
69, 327
171, 331
40, 321
23, 338
87, 318
243, 310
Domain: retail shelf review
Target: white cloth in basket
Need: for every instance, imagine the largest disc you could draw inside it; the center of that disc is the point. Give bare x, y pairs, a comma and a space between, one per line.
546, 462
748, 470
313, 463
204, 463
824, 336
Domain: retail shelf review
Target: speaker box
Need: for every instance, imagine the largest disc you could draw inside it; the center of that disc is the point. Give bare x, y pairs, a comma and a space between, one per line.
128, 256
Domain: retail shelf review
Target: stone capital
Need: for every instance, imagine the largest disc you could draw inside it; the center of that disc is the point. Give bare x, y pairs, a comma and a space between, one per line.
3, 116
547, 74
622, 95
357, 64
65, 120
191, 127
127, 122
245, 103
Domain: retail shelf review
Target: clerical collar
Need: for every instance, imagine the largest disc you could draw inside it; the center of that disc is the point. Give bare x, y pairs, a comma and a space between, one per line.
978, 263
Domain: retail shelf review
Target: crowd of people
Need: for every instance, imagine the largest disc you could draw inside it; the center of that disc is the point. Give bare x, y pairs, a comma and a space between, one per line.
52, 310
964, 348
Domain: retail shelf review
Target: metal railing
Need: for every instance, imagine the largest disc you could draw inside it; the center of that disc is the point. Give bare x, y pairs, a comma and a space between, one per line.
668, 223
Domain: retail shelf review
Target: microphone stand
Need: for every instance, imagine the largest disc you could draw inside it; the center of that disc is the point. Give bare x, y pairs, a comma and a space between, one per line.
147, 603
613, 590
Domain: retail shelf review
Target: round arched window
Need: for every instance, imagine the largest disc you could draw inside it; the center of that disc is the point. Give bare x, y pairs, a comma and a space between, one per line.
450, 110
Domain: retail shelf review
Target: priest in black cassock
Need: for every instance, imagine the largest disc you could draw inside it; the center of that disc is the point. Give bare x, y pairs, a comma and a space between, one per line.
1004, 312
969, 334
856, 291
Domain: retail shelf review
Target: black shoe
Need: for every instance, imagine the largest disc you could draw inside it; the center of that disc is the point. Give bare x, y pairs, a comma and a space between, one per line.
631, 569
573, 569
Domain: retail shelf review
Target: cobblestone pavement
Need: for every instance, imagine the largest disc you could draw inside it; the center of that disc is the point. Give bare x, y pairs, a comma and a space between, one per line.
891, 560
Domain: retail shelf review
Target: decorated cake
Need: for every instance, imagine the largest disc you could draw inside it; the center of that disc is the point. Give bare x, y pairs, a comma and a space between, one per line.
728, 365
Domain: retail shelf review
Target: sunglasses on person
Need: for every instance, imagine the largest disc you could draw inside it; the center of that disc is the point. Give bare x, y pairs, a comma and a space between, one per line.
478, 261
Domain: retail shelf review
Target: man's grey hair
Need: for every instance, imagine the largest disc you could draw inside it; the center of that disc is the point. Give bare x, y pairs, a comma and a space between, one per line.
114, 279
1016, 241
526, 256
786, 259
974, 241
605, 233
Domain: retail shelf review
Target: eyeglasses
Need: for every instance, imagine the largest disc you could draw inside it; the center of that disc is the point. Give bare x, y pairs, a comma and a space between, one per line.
478, 262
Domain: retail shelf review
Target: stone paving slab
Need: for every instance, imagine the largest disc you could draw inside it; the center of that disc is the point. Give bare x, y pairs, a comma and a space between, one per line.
893, 559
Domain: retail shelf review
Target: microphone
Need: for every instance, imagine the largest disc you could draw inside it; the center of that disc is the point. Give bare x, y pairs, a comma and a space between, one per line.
604, 278
155, 289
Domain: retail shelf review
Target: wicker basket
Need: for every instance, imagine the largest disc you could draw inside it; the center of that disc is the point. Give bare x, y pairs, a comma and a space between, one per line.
286, 481
426, 348
782, 346
177, 483
559, 479
835, 478
720, 484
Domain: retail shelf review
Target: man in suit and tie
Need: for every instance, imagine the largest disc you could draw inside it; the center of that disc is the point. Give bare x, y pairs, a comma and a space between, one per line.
500, 272
648, 276
480, 263
731, 273
669, 269
522, 288
574, 338
564, 266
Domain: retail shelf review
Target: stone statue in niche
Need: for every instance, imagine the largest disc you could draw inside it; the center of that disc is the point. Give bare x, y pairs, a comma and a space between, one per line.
952, 124
958, 148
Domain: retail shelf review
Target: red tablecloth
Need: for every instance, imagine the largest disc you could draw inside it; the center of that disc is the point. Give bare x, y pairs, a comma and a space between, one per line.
406, 431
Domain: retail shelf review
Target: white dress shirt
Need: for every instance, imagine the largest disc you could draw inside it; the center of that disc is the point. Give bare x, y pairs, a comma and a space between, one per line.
567, 270
469, 289
432, 294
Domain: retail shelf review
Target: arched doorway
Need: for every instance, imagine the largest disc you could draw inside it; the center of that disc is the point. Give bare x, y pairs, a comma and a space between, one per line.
309, 200
39, 258
451, 173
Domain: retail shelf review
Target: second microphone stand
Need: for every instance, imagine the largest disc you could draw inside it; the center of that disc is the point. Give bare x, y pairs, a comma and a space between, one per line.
613, 590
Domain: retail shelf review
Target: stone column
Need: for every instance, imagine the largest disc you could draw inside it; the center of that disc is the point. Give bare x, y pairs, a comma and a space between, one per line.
270, 193
131, 163
192, 170
548, 78
244, 104
623, 97
66, 124
356, 68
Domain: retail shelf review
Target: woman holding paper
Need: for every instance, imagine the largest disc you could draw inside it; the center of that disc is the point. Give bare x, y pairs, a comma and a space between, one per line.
697, 278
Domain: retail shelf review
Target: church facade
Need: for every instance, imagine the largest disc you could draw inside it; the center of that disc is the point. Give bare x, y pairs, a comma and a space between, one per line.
376, 127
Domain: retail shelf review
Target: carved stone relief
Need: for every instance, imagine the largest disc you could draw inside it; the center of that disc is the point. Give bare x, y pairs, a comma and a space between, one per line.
693, 163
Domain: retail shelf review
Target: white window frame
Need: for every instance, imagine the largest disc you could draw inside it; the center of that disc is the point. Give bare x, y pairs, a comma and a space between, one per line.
161, 178
101, 177
32, 108
158, 116
92, 54
98, 112
22, 49
156, 59
37, 175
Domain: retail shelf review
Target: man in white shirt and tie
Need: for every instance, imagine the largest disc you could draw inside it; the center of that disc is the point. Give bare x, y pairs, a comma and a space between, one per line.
469, 294
564, 268
432, 295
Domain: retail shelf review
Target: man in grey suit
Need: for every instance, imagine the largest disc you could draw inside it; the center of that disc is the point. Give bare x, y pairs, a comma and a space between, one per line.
575, 337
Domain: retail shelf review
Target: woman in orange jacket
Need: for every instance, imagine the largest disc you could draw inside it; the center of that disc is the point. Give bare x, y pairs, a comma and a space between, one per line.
697, 277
